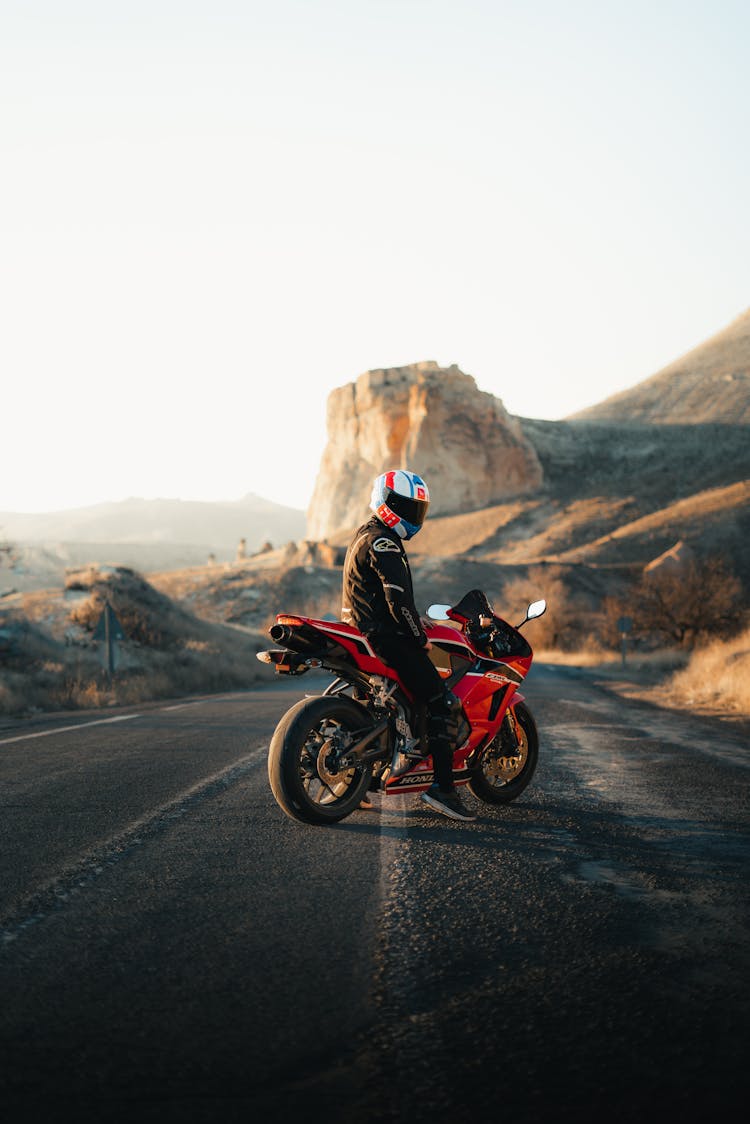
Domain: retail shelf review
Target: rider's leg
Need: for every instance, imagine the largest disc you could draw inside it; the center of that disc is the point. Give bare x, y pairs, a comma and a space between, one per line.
421, 678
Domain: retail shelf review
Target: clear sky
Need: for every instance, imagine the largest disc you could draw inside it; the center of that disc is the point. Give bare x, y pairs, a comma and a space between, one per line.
212, 213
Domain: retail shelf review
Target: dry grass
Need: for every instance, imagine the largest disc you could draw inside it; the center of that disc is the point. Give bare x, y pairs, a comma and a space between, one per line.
641, 667
712, 680
716, 677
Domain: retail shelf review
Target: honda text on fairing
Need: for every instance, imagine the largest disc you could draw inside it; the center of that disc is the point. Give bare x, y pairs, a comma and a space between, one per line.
364, 731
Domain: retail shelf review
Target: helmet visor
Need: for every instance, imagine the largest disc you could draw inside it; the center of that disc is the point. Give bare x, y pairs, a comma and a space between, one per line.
410, 510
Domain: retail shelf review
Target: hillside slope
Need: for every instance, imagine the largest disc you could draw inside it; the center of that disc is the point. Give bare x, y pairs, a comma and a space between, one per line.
614, 495
51, 657
711, 383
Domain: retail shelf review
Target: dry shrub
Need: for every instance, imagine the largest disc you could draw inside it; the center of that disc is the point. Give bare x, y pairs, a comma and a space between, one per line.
681, 605
717, 675
561, 626
17, 696
86, 613
74, 692
200, 646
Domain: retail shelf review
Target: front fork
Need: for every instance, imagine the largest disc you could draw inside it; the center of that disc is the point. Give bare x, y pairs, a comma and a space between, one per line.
509, 734
506, 739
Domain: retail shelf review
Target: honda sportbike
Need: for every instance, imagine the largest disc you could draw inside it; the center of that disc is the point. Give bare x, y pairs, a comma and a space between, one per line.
365, 732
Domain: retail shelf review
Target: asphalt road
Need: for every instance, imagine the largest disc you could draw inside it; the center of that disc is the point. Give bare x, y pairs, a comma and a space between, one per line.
172, 947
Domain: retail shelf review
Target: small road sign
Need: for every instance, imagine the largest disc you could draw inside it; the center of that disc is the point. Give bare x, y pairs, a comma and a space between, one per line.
109, 629
108, 624
624, 624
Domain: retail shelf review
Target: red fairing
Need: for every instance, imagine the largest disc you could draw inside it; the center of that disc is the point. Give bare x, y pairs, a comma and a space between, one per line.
358, 647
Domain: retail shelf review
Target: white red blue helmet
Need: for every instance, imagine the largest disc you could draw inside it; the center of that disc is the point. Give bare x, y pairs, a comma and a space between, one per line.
400, 500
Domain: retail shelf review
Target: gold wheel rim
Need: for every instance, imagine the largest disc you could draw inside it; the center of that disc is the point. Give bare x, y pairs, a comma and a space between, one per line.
503, 770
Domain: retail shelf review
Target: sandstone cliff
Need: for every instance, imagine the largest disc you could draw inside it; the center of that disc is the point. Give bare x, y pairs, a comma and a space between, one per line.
429, 419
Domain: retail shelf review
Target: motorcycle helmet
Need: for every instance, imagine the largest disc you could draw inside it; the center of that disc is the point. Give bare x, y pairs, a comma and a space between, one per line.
400, 500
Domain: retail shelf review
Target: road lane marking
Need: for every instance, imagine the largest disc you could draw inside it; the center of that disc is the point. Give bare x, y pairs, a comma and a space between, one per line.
203, 701
107, 721
64, 729
107, 853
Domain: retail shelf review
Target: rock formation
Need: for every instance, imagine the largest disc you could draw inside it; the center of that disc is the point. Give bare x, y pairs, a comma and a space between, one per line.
429, 419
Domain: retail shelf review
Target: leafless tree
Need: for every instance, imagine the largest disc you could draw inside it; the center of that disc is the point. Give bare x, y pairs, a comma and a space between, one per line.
680, 604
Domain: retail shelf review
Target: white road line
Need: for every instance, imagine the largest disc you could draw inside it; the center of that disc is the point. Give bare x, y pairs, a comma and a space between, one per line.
116, 848
64, 729
106, 721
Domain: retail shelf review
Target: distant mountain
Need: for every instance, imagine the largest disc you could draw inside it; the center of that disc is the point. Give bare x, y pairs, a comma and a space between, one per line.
709, 384
213, 526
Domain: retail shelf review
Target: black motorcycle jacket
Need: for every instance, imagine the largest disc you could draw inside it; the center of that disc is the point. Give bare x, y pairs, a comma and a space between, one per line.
378, 595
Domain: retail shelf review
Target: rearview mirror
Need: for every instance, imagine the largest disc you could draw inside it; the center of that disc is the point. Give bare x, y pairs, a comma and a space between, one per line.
536, 609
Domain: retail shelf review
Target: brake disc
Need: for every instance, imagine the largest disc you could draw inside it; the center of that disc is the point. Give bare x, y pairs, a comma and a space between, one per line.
327, 764
504, 768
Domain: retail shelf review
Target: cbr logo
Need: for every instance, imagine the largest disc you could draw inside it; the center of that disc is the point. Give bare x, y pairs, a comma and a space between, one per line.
495, 678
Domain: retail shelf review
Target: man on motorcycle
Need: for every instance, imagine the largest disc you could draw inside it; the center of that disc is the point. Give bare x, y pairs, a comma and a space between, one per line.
379, 600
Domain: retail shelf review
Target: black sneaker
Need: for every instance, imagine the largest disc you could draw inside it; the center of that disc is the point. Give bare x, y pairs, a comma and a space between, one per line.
448, 803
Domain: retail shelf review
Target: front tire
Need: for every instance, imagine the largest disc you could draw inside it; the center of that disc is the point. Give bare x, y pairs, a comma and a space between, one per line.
497, 778
302, 768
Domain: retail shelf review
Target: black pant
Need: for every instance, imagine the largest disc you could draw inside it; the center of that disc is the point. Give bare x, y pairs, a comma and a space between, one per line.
420, 676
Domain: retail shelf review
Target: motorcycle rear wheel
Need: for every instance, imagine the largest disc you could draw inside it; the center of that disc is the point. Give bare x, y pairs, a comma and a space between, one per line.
305, 779
499, 780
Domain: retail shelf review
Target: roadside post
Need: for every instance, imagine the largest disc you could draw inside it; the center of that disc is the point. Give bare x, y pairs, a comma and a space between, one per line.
109, 630
625, 625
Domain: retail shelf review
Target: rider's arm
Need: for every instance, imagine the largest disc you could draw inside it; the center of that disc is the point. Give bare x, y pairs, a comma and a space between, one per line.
393, 570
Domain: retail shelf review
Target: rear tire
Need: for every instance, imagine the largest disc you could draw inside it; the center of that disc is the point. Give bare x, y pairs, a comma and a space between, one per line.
302, 770
499, 780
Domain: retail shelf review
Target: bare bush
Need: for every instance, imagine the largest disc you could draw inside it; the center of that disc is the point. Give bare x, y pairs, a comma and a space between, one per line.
560, 627
698, 599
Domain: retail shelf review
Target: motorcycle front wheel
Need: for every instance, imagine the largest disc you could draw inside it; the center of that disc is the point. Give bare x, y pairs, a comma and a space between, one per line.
498, 777
306, 780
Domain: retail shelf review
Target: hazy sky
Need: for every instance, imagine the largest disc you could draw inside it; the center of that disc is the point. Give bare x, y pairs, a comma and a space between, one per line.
212, 213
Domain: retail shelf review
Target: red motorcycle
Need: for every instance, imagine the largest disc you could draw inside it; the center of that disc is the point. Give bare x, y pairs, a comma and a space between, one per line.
364, 731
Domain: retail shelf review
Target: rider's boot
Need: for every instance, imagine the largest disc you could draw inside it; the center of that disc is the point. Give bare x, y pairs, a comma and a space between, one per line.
443, 726
448, 803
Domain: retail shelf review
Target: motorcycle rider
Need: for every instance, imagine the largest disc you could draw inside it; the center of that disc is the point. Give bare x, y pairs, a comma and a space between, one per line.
378, 599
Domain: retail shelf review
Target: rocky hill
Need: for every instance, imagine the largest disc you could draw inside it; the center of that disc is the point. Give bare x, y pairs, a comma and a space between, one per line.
709, 384
433, 420
523, 492
51, 657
